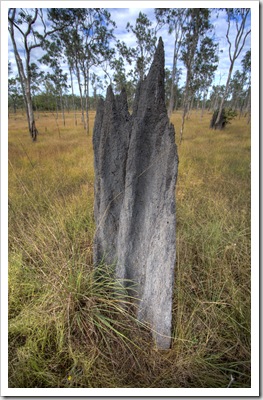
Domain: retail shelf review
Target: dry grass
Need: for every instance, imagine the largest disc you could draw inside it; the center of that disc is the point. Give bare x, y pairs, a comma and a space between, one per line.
66, 328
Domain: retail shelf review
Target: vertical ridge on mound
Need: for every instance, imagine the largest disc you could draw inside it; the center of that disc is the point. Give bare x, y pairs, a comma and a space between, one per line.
110, 143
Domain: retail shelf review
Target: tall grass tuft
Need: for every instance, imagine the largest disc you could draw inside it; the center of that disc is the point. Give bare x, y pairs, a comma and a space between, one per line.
68, 324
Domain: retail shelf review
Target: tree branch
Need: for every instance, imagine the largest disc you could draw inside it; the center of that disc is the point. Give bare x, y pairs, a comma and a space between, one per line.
30, 23
229, 43
243, 42
12, 21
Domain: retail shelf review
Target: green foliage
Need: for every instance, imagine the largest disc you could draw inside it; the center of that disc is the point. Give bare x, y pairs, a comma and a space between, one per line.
177, 92
15, 98
196, 26
145, 39
175, 20
226, 116
229, 115
206, 63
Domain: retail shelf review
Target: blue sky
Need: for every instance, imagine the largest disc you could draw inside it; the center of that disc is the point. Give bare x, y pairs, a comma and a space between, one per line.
123, 15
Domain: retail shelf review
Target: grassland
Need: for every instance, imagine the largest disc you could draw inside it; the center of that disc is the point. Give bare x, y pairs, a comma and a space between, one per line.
66, 328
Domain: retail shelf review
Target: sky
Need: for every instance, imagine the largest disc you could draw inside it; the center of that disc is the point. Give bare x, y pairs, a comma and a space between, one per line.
123, 15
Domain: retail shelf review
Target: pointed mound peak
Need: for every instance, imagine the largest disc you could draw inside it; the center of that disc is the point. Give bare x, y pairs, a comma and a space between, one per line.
150, 94
160, 46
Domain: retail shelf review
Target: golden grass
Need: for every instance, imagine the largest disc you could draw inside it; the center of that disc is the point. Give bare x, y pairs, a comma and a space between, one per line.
65, 330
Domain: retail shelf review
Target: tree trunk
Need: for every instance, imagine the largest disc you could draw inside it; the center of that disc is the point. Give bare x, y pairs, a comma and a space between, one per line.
30, 113
248, 106
62, 108
182, 125
35, 107
73, 97
14, 106
95, 98
87, 100
190, 106
215, 105
141, 67
185, 103
25, 85
237, 50
197, 104
176, 93
171, 103
81, 95
179, 33
56, 108
203, 104
225, 94
192, 51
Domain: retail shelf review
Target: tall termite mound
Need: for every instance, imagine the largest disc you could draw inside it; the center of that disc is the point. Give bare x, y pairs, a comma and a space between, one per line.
135, 176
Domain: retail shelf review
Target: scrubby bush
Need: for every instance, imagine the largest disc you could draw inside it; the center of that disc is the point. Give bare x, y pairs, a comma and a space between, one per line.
226, 116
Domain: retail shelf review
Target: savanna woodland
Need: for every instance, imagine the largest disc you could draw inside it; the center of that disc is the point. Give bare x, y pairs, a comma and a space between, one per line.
67, 328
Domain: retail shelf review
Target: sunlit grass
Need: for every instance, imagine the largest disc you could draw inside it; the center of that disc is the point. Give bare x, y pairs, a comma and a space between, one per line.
66, 328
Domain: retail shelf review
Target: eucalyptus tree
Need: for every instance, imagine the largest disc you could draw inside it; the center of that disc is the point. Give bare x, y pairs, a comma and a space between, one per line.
26, 24
145, 44
96, 84
72, 44
86, 42
239, 87
205, 65
49, 97
216, 95
236, 17
96, 33
71, 67
246, 71
236, 91
59, 83
123, 73
195, 28
119, 73
177, 92
54, 59
37, 76
175, 19
14, 93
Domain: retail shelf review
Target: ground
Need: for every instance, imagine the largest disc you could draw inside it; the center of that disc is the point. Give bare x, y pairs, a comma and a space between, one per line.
66, 328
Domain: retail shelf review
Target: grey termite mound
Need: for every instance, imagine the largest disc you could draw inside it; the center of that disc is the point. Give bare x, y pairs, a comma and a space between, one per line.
136, 166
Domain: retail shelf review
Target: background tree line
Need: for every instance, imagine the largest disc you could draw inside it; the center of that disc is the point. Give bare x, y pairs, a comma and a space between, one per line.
84, 39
